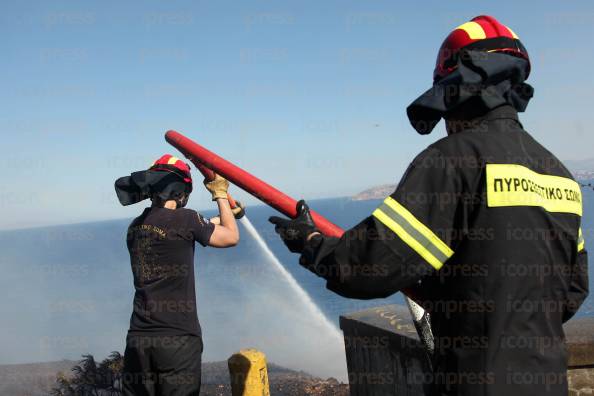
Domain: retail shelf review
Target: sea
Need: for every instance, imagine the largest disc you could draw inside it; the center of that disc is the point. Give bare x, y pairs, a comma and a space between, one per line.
67, 291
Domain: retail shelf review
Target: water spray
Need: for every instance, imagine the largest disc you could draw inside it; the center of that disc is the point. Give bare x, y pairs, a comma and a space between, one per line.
314, 309
208, 162
312, 306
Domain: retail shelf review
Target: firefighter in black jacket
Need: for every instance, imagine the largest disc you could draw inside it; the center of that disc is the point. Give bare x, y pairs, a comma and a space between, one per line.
484, 226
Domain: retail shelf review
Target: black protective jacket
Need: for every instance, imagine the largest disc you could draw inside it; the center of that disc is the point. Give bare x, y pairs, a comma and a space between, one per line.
488, 221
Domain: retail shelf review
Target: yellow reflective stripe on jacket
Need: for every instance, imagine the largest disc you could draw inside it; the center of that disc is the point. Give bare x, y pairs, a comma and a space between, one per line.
580, 241
516, 185
412, 232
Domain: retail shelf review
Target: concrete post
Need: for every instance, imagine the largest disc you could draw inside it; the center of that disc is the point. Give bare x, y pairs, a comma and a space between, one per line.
249, 375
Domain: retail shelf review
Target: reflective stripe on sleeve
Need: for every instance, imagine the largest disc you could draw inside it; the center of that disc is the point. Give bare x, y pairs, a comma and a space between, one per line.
412, 232
580, 241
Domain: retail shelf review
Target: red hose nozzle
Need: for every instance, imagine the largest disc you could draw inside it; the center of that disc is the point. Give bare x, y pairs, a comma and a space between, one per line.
246, 181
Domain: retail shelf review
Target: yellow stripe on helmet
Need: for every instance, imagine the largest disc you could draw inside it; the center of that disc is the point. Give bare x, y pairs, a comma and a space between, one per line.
474, 30
514, 35
172, 161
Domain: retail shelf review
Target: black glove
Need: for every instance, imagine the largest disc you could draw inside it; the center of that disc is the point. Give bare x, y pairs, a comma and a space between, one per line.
294, 232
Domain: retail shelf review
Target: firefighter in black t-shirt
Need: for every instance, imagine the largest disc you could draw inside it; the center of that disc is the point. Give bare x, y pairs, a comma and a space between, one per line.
488, 221
164, 342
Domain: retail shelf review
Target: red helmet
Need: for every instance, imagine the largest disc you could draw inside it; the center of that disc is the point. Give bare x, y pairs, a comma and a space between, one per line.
172, 164
483, 33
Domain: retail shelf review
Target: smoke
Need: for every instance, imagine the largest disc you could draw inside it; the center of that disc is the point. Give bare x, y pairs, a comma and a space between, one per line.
68, 290
267, 310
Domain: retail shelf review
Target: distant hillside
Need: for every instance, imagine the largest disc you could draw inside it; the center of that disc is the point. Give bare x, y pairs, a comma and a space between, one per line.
37, 379
581, 169
378, 192
32, 379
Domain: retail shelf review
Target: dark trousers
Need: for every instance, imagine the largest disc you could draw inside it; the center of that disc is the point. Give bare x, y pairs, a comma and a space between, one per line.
163, 365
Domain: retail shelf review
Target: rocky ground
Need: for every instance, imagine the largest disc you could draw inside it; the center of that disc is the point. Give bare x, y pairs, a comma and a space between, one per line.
289, 386
581, 382
283, 382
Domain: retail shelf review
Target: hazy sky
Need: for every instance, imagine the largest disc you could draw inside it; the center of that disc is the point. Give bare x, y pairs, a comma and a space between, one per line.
308, 95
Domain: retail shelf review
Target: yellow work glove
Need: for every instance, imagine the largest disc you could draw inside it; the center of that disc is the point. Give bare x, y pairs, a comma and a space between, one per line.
217, 187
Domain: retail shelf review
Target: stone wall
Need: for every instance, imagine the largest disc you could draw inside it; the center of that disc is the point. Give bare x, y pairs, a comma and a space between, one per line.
385, 356
580, 345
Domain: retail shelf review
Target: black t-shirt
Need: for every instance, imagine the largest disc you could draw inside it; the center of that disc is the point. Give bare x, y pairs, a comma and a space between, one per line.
161, 246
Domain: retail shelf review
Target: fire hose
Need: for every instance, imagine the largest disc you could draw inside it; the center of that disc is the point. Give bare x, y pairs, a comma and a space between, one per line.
208, 162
